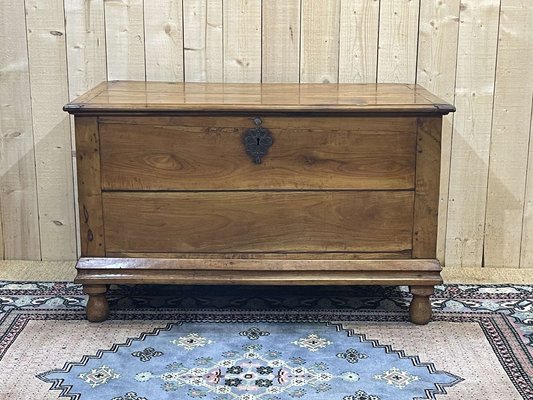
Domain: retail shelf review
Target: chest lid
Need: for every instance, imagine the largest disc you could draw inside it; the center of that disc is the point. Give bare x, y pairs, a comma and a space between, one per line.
135, 97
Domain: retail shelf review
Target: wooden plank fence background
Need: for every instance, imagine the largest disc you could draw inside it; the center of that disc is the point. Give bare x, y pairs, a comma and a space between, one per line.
476, 54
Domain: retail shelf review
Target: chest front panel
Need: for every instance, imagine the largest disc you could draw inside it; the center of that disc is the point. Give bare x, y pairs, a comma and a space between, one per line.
209, 153
326, 184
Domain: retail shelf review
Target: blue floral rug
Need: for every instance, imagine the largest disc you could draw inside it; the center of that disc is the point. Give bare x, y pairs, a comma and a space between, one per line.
258, 343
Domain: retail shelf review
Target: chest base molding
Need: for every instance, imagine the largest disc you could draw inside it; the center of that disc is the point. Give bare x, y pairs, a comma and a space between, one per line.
192, 271
96, 273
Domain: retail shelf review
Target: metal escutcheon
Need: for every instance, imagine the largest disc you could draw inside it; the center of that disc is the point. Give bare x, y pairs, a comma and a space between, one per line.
257, 141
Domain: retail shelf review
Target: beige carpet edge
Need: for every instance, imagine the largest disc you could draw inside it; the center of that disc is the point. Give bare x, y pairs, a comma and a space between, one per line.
64, 271
37, 271
518, 276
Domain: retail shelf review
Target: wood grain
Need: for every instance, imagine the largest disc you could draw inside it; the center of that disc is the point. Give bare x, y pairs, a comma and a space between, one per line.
281, 41
208, 153
89, 192
420, 311
86, 45
203, 41
91, 93
358, 41
97, 305
510, 136
223, 264
19, 218
398, 37
142, 97
399, 255
427, 187
177, 277
242, 40
125, 39
320, 41
476, 62
437, 59
163, 32
309, 122
258, 221
45, 22
86, 56
526, 254
288, 272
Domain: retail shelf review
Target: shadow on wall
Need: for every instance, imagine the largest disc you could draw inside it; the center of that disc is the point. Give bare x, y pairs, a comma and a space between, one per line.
37, 195
466, 213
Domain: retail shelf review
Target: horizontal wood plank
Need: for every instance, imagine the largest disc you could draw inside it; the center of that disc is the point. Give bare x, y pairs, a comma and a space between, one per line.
406, 254
208, 153
419, 265
258, 221
258, 272
282, 120
139, 97
260, 278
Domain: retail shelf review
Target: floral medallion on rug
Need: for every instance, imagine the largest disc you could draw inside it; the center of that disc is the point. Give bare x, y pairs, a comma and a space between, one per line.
259, 343
265, 361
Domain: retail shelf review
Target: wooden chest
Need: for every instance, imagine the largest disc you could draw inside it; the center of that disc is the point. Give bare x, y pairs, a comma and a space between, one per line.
258, 184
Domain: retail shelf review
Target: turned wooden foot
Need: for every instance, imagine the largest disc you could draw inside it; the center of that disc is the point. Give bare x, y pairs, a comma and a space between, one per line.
420, 309
97, 307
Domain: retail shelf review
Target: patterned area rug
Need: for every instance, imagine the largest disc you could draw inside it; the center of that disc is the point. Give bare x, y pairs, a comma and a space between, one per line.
258, 343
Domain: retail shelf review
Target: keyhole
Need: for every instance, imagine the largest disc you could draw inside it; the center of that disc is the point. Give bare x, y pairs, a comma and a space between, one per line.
258, 140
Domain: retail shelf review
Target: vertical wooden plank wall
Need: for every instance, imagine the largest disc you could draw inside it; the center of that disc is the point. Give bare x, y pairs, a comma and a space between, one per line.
242, 39
45, 23
86, 45
526, 250
319, 47
518, 38
281, 41
19, 223
398, 36
474, 53
474, 91
510, 136
125, 39
202, 41
358, 41
163, 33
437, 60
86, 59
